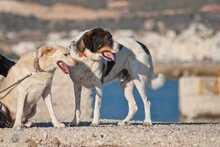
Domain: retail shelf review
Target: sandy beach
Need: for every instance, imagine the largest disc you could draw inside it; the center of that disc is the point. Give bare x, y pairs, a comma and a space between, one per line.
108, 134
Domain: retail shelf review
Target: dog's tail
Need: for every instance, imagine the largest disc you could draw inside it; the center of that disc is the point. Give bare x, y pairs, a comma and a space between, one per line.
158, 81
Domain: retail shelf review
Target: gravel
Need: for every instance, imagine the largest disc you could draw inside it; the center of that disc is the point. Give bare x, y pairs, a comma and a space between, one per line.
108, 134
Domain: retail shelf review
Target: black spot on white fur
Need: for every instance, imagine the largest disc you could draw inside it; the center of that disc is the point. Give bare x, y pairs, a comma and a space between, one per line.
107, 68
146, 50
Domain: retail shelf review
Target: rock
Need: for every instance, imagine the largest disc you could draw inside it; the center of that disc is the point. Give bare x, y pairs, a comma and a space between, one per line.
56, 142
15, 138
31, 143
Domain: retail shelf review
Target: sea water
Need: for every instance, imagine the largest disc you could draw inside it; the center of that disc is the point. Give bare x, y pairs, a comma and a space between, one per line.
164, 103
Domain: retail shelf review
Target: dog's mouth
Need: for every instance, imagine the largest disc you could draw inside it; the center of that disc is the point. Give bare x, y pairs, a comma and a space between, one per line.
108, 55
63, 66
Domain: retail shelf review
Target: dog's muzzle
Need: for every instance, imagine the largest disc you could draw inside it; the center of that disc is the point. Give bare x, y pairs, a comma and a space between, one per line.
108, 55
63, 66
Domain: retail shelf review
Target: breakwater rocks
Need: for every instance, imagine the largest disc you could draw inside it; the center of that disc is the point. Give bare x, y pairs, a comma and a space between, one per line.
66, 15
195, 44
188, 50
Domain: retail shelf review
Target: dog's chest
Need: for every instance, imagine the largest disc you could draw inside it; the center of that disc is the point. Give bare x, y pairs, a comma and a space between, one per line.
86, 72
121, 62
37, 85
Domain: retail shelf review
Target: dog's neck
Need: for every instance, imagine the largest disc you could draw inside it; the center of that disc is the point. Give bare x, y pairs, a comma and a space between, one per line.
37, 65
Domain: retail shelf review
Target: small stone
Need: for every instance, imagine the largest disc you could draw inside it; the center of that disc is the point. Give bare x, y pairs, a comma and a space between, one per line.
56, 142
93, 135
212, 139
14, 138
102, 136
45, 136
31, 143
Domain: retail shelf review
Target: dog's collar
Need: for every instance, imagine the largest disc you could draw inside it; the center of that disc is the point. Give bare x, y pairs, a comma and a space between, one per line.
37, 64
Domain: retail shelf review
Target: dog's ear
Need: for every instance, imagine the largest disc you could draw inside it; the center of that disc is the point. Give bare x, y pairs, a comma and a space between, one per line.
45, 50
85, 42
101, 38
80, 45
108, 38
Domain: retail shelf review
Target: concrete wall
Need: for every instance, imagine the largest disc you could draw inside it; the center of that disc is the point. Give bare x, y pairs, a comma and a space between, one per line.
199, 97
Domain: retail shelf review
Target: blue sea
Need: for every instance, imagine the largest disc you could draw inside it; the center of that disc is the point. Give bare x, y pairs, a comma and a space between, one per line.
164, 103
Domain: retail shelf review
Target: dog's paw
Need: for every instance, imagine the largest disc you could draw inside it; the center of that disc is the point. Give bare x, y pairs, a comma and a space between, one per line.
59, 125
124, 123
95, 123
28, 124
147, 123
74, 123
17, 127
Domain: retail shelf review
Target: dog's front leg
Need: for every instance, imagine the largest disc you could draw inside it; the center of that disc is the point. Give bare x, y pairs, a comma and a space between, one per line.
19, 111
98, 101
77, 92
48, 102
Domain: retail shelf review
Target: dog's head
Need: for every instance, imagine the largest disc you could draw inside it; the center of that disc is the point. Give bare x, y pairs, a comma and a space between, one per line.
50, 57
98, 41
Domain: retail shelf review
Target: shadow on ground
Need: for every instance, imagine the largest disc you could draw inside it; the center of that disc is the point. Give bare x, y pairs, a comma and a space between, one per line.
102, 124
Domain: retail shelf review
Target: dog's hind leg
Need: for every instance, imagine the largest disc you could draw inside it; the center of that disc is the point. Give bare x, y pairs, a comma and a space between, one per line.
77, 91
49, 105
20, 109
86, 103
28, 123
132, 106
98, 101
141, 85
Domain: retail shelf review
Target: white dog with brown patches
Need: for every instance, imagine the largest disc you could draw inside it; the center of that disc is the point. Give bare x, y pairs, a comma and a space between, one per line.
19, 102
131, 65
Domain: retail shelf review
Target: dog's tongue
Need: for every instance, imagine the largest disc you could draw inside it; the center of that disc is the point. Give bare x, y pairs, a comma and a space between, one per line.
63, 67
108, 56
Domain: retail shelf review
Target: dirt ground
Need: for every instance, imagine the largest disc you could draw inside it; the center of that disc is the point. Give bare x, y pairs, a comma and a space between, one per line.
111, 135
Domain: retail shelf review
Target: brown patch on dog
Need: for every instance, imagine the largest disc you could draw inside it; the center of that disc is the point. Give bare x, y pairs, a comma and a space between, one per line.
45, 51
95, 40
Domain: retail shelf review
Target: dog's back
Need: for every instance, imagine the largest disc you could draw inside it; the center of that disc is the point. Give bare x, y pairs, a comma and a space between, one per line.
140, 59
18, 70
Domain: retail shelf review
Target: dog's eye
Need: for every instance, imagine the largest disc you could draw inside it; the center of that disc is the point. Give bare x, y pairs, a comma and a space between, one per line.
100, 45
66, 54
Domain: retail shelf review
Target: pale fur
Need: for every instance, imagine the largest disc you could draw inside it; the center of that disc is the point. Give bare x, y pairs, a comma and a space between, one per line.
86, 73
22, 99
139, 65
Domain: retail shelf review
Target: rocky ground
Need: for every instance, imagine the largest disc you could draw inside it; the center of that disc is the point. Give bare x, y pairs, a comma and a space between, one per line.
110, 135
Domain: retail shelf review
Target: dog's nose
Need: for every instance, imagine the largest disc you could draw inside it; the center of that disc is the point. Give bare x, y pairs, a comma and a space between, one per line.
73, 62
